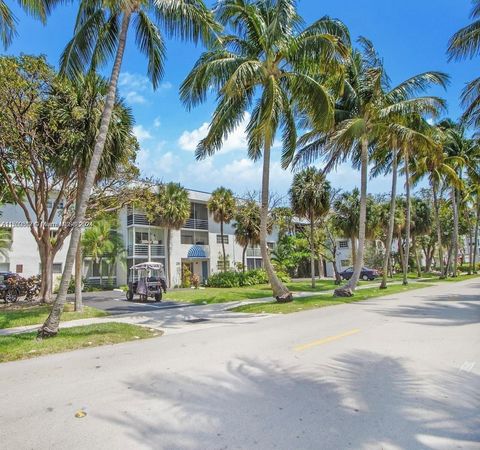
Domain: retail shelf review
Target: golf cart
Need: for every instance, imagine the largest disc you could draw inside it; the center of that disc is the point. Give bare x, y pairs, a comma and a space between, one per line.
147, 280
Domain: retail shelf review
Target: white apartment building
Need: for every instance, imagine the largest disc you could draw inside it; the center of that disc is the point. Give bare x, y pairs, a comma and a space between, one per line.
197, 245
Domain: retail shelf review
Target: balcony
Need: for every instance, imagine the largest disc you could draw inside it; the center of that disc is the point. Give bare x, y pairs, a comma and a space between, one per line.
254, 253
137, 219
141, 250
196, 224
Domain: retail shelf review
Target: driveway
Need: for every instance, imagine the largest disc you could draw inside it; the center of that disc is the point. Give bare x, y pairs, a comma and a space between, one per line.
399, 372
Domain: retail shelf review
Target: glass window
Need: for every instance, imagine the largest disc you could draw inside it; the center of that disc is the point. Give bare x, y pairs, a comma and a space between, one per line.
194, 237
141, 237
57, 267
219, 238
343, 244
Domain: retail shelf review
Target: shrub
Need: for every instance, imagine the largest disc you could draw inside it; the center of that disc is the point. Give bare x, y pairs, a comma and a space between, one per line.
237, 279
195, 281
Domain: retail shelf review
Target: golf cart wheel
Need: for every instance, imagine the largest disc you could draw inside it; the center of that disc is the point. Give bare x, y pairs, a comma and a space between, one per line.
11, 296
365, 278
158, 297
129, 295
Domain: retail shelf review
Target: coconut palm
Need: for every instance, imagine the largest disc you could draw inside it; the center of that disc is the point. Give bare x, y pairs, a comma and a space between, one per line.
310, 199
421, 225
174, 208
364, 116
100, 33
36, 8
222, 205
268, 67
464, 44
247, 226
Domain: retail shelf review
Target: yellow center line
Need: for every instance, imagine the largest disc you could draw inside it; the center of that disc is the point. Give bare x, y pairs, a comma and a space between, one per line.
300, 348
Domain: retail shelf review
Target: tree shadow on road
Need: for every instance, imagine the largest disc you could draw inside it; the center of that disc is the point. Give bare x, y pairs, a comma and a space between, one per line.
359, 400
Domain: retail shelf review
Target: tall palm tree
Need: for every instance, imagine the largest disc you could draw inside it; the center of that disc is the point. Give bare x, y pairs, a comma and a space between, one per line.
421, 225
174, 208
39, 9
268, 66
364, 115
100, 32
464, 44
310, 199
222, 205
247, 226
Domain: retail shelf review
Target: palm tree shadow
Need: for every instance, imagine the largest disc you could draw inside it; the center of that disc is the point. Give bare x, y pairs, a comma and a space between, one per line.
360, 400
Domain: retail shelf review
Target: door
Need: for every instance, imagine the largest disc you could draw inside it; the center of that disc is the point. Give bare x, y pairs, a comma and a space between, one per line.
204, 270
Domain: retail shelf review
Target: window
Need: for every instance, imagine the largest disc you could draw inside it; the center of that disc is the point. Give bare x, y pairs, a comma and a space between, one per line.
57, 267
345, 262
343, 244
19, 268
254, 263
194, 237
141, 237
220, 264
219, 238
271, 245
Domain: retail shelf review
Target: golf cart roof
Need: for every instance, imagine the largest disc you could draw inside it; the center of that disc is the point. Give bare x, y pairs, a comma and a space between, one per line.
148, 266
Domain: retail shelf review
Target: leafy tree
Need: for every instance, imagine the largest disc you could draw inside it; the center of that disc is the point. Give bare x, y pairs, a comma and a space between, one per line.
268, 65
310, 199
222, 205
100, 33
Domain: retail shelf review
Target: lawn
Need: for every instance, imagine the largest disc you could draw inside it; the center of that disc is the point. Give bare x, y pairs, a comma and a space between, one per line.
222, 295
25, 345
320, 301
19, 315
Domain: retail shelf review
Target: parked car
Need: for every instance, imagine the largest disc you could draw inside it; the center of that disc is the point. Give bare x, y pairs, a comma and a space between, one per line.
9, 291
366, 274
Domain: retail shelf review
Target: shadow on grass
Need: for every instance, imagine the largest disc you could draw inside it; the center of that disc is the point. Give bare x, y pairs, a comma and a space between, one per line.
360, 400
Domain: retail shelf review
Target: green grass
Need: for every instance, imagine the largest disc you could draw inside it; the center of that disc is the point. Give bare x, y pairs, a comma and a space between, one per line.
457, 278
17, 316
320, 301
25, 345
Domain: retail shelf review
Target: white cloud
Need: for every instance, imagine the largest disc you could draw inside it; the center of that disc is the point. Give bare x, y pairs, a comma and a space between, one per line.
157, 122
165, 163
141, 133
133, 97
133, 81
237, 140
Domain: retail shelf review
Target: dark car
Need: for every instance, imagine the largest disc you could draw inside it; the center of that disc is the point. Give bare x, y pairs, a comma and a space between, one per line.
9, 291
366, 274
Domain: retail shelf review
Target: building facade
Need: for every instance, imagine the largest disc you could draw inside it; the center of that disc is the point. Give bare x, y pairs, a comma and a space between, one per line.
196, 246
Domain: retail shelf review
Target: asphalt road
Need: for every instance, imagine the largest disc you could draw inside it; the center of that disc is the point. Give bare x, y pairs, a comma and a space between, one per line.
401, 372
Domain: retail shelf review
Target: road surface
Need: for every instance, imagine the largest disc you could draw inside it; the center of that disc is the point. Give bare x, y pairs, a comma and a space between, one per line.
400, 372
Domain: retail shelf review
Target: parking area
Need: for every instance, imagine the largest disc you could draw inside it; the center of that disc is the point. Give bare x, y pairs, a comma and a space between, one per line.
114, 302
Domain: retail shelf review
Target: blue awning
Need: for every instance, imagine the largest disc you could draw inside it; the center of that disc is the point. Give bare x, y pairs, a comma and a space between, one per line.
196, 252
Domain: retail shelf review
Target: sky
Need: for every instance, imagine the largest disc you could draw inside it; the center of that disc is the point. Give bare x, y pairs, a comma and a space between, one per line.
410, 35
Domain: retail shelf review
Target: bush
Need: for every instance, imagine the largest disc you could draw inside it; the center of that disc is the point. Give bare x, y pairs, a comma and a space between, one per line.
238, 279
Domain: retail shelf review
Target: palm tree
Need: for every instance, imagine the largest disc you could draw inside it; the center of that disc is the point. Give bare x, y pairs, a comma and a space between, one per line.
247, 226
222, 205
36, 8
174, 207
465, 43
5, 240
268, 66
421, 225
310, 199
97, 36
365, 114
98, 242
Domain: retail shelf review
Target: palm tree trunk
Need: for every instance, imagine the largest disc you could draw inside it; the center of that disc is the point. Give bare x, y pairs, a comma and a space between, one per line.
418, 263
320, 266
439, 229
280, 291
244, 252
312, 251
353, 243
407, 221
477, 226
223, 247
50, 326
391, 220
470, 247
100, 264
78, 279
46, 274
169, 259
455, 231
352, 284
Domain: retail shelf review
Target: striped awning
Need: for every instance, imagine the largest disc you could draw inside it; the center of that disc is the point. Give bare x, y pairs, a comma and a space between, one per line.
196, 252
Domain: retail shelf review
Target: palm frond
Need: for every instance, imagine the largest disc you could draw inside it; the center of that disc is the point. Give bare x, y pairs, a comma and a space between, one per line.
465, 43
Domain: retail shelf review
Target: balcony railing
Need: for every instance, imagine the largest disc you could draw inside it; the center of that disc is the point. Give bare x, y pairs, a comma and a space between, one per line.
156, 250
254, 253
197, 224
137, 219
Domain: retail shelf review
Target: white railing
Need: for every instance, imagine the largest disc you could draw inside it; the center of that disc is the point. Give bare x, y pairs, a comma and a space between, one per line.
143, 250
197, 224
